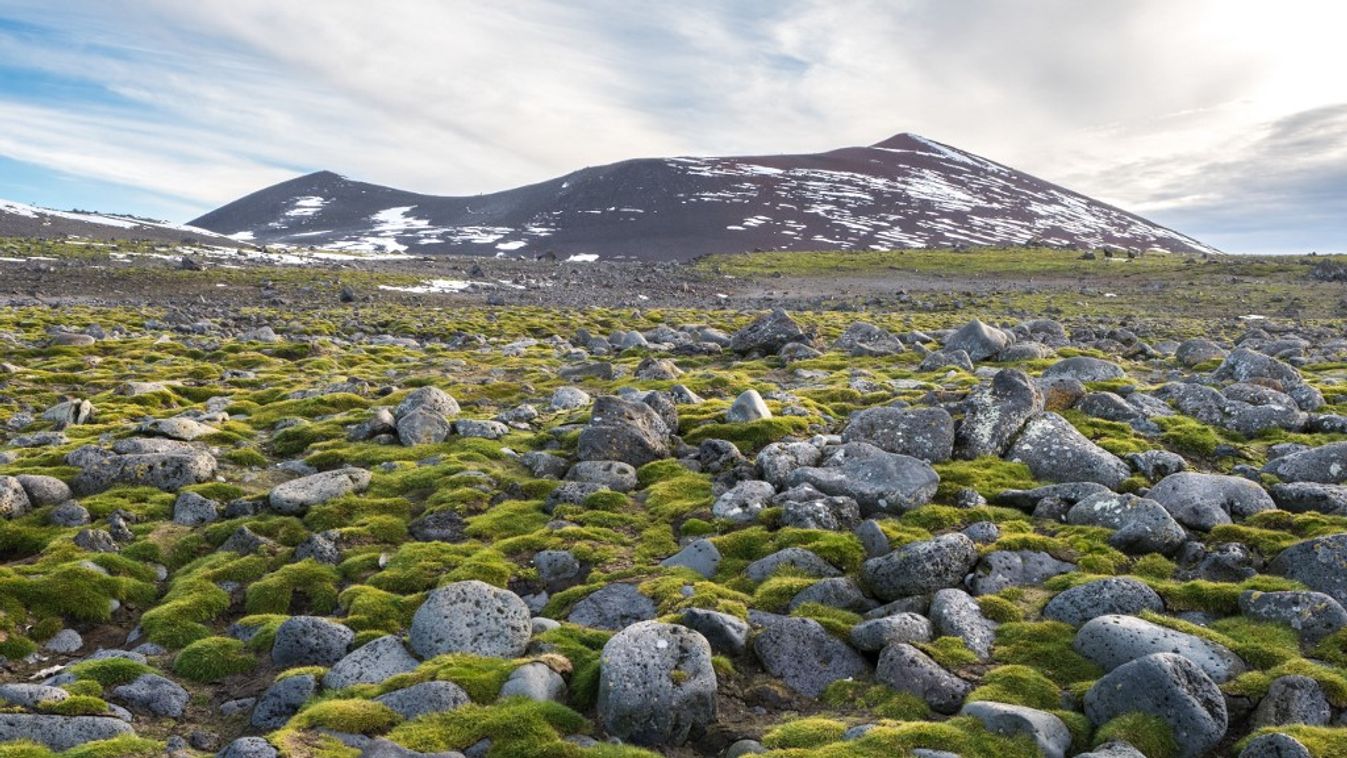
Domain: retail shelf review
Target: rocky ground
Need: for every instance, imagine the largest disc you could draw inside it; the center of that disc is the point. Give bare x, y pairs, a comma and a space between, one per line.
1010, 505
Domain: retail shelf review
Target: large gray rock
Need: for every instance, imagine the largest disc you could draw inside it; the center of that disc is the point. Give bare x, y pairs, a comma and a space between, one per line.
1083, 368
981, 341
624, 430
907, 669
1170, 687
60, 733
921, 567
879, 482
423, 427
1197, 350
471, 617
248, 747
298, 495
1204, 501
863, 339
430, 399
1048, 731
423, 698
371, 663
616, 606
1113, 640
1140, 525
801, 653
1275, 745
725, 633
1115, 595
1319, 563
995, 412
43, 490
873, 635
191, 509
742, 503
310, 641
1054, 451
1014, 568
13, 498
153, 694
777, 461
283, 700
1301, 497
31, 696
1292, 700
1313, 615
699, 555
954, 613
749, 406
767, 335
656, 684
615, 475
1326, 464
925, 433
163, 464
797, 559
1244, 365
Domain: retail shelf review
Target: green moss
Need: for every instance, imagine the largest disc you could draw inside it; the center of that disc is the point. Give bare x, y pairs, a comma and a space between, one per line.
1046, 647
1148, 734
949, 652
999, 609
990, 476
110, 672
1018, 685
1321, 741
1188, 436
875, 699
582, 647
77, 705
804, 733
515, 727
835, 620
358, 716
212, 659
751, 436
275, 593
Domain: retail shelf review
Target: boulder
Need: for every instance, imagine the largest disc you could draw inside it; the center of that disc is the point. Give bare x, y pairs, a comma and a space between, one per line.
153, 694
863, 339
995, 412
921, 567
13, 498
1117, 595
423, 427
878, 481
1083, 368
979, 340
60, 733
1326, 464
298, 495
430, 399
283, 700
801, 653
767, 335
624, 430
1275, 745
907, 669
1048, 732
749, 406
615, 607
1141, 525
423, 698
742, 503
699, 555
1054, 451
248, 747
310, 641
1319, 563
371, 663
1014, 568
1313, 615
726, 634
656, 684
1204, 501
1292, 700
954, 613
1113, 640
874, 635
1170, 687
797, 559
471, 617
1245, 365
925, 433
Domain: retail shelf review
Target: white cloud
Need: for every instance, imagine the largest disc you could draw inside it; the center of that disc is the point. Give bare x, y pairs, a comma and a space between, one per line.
1130, 102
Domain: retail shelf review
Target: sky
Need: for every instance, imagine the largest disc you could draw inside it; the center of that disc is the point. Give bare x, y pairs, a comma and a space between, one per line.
1224, 119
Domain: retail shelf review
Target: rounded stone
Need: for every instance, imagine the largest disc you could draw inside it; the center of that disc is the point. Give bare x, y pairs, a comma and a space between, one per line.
471, 617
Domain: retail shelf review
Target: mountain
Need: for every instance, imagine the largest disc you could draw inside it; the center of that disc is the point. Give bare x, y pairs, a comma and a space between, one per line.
906, 191
23, 220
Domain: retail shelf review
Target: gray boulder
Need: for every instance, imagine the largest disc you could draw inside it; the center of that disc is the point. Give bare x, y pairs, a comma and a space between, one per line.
749, 406
1140, 525
283, 700
535, 681
1054, 451
191, 509
1319, 563
995, 412
1115, 595
874, 635
153, 694
42, 490
371, 663
248, 747
801, 653
797, 559
907, 669
656, 684
726, 633
777, 461
954, 613
1014, 568
979, 340
298, 495
310, 641
925, 433
1302, 497
430, 399
1313, 615
1170, 687
767, 335
163, 464
863, 339
742, 503
624, 430
1204, 501
1194, 351
1275, 745
699, 555
1326, 464
1083, 368
423, 427
1245, 365
13, 498
471, 617
60, 733
1113, 640
879, 482
921, 567
1292, 700
1048, 732
616, 606
423, 698
615, 475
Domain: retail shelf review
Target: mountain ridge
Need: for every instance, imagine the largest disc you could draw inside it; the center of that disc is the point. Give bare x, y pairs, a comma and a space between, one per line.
904, 191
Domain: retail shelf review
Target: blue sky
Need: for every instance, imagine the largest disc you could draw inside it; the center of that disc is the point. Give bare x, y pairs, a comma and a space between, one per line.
1226, 119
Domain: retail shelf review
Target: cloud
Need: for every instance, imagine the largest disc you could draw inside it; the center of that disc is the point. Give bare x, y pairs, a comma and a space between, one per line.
1144, 103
